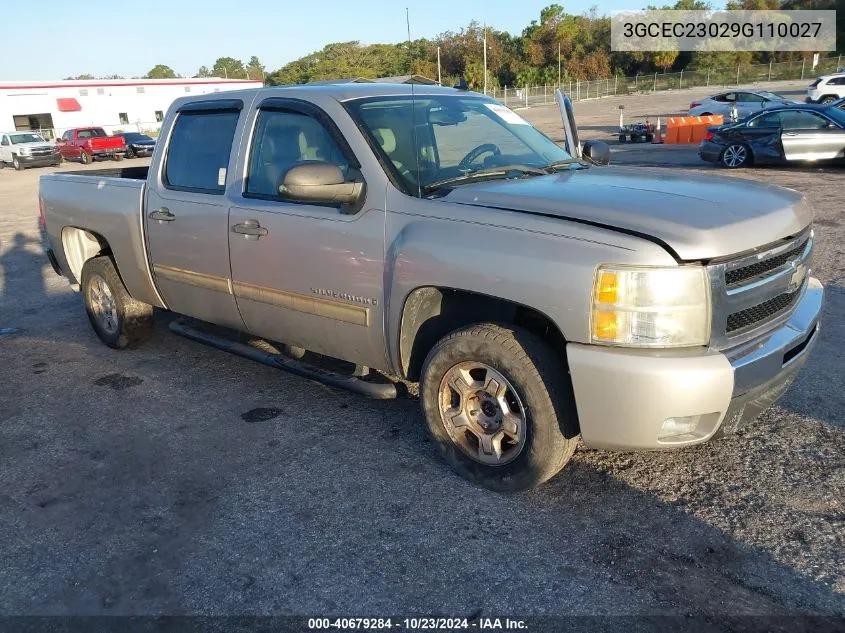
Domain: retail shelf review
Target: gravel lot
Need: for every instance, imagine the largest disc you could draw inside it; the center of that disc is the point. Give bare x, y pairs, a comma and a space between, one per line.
176, 479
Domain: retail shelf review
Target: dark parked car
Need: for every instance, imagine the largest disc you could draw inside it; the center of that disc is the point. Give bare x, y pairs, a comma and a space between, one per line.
795, 133
138, 144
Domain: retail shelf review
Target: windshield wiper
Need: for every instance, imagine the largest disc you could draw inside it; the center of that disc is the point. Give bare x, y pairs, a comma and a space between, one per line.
491, 172
571, 163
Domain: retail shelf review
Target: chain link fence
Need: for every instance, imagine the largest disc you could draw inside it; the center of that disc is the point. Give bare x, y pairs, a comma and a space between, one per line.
577, 90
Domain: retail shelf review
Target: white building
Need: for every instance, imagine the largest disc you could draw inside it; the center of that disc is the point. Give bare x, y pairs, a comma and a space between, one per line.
126, 105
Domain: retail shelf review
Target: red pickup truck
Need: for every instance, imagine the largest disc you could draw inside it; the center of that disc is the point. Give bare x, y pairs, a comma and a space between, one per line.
88, 143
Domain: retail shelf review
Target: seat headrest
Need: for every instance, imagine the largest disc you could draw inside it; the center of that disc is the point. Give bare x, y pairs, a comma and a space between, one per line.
386, 139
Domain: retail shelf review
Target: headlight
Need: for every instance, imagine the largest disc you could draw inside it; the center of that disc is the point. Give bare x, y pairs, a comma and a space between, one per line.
651, 307
23, 151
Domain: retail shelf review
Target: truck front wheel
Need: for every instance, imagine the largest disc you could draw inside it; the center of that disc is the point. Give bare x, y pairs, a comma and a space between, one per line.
119, 320
498, 403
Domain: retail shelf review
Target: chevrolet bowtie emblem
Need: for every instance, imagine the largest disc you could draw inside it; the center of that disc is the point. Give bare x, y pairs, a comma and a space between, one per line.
797, 277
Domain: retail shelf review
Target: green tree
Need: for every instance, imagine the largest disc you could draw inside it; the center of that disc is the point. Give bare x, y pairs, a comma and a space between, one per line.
160, 71
229, 68
254, 68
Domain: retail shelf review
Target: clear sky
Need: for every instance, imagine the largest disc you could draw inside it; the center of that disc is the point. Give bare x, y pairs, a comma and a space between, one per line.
128, 38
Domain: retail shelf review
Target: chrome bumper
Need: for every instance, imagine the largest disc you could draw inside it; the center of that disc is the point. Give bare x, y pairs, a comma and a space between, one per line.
623, 397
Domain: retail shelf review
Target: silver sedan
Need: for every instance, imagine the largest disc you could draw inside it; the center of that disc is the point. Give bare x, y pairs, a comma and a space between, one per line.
746, 102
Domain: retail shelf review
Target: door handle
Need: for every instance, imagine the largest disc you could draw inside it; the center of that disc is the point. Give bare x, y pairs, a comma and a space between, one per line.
250, 229
790, 134
162, 215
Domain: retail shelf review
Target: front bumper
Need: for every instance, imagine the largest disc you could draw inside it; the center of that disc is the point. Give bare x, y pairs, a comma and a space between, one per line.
39, 161
143, 150
709, 151
624, 396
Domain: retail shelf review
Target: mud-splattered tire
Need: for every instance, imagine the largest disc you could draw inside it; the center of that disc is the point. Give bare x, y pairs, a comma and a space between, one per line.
118, 320
474, 370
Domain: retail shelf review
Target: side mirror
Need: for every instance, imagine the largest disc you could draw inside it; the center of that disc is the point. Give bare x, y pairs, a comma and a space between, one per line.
320, 183
597, 152
570, 130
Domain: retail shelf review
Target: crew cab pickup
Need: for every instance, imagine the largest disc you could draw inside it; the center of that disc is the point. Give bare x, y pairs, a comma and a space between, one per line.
26, 149
89, 143
433, 234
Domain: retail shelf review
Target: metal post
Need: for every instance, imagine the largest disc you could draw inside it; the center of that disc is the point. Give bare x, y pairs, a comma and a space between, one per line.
770, 70
637, 82
802, 68
654, 87
526, 95
615, 84
439, 80
708, 76
570, 88
485, 59
681, 79
558, 64
737, 74
545, 93
506, 94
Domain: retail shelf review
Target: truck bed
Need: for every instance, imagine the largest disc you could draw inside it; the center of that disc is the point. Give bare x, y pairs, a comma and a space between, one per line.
129, 173
82, 208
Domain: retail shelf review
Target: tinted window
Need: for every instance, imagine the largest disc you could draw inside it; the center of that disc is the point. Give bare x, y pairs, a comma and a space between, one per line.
802, 120
837, 81
747, 97
198, 155
283, 139
5, 140
769, 120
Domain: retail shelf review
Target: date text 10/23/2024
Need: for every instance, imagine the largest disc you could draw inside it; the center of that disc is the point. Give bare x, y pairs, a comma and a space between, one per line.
418, 624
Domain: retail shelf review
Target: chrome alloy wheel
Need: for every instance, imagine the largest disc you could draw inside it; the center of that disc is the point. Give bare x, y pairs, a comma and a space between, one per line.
482, 413
103, 304
735, 155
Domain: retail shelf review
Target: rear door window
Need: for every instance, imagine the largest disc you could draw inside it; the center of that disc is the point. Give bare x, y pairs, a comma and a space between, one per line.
199, 149
803, 120
767, 121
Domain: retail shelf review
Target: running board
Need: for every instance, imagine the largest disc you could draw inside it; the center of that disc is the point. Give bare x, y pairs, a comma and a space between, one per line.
380, 391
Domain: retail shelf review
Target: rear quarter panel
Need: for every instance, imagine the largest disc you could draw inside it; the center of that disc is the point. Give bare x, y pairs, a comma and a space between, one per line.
111, 209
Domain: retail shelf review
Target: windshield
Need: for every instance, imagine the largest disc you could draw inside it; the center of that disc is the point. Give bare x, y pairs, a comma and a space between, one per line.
455, 137
25, 138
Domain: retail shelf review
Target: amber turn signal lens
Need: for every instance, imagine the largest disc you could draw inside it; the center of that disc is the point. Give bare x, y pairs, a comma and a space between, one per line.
608, 287
604, 325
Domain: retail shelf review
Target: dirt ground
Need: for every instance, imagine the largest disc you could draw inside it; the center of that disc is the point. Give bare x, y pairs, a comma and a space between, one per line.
176, 479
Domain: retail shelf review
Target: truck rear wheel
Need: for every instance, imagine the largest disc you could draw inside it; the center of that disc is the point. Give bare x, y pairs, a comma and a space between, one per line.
499, 405
85, 157
119, 320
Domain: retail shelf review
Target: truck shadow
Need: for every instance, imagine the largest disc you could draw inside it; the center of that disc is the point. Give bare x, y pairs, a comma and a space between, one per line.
191, 505
817, 391
21, 273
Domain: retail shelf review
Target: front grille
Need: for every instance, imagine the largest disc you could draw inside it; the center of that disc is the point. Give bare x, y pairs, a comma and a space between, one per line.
761, 312
41, 152
738, 275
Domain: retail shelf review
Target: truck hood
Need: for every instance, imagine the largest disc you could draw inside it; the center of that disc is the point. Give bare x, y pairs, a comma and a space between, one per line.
34, 145
699, 217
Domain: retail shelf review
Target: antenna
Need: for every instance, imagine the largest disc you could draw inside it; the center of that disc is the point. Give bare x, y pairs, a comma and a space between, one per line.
413, 106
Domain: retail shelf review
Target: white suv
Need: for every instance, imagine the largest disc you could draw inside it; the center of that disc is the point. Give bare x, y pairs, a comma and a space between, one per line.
826, 89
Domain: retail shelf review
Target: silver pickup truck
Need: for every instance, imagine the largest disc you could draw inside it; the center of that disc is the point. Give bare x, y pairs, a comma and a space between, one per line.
434, 235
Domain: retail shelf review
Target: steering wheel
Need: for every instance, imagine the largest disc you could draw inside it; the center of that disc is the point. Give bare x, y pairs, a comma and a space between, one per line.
473, 154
